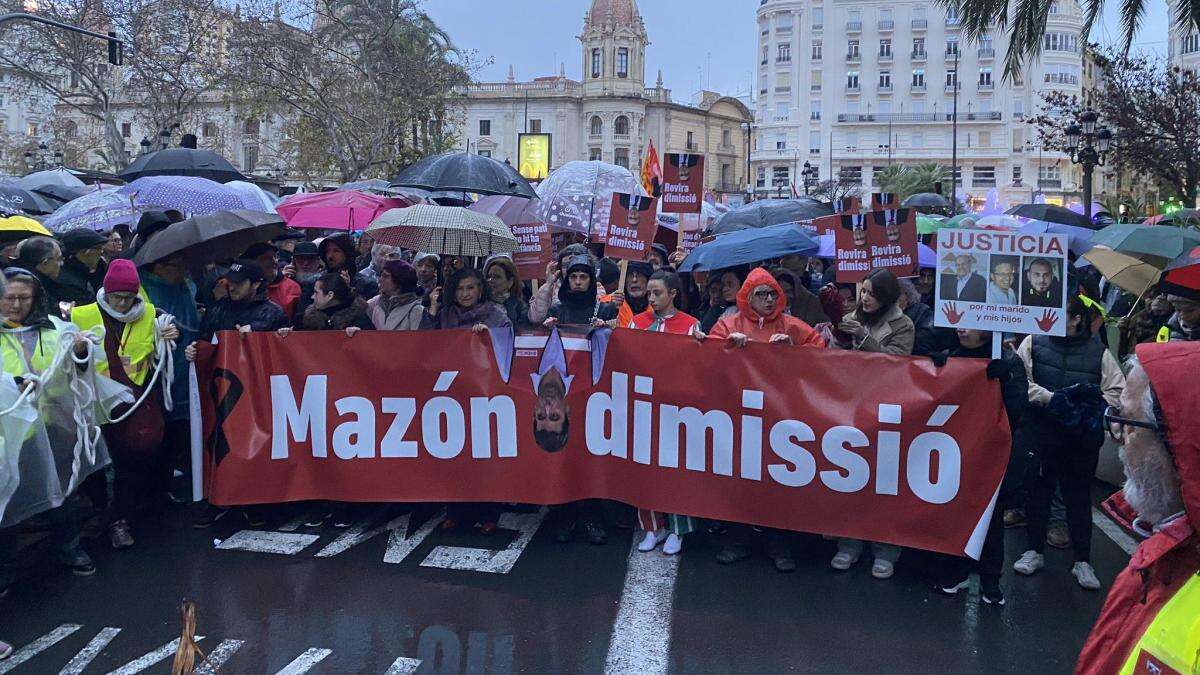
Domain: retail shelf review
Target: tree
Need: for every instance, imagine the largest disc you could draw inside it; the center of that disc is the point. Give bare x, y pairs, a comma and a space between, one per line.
370, 83
1152, 108
906, 181
838, 188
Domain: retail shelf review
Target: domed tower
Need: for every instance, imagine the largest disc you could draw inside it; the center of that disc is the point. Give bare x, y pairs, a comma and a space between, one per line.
614, 49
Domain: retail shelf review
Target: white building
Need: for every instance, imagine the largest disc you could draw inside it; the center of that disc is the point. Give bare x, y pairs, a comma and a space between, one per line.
1183, 46
853, 86
610, 114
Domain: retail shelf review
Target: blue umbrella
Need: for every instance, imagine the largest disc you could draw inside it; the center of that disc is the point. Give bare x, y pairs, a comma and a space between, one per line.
1079, 239
749, 246
102, 209
190, 195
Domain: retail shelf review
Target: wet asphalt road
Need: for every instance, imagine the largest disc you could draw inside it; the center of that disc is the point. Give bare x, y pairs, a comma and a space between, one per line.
332, 608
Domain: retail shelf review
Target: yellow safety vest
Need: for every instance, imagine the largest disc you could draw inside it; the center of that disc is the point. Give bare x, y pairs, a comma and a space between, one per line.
136, 344
1164, 334
13, 356
1173, 638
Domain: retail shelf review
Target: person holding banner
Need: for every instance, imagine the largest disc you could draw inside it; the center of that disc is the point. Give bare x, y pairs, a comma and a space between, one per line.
578, 297
1067, 378
662, 316
634, 300
876, 325
726, 304
398, 305
505, 289
543, 300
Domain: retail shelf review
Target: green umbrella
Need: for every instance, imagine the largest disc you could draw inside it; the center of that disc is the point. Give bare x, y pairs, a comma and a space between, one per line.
957, 221
929, 224
1161, 241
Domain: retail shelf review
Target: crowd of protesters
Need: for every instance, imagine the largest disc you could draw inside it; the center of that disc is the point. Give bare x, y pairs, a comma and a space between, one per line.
1055, 389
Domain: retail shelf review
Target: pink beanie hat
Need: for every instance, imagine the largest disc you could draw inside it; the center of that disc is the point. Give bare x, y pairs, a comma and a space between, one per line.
122, 277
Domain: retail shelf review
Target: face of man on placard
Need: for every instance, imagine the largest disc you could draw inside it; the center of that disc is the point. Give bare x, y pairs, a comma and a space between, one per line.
685, 171
633, 216
1040, 276
552, 408
892, 227
860, 236
1004, 275
964, 265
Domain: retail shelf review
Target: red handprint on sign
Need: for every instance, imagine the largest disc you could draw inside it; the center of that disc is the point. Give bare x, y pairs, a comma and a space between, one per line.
950, 310
1047, 321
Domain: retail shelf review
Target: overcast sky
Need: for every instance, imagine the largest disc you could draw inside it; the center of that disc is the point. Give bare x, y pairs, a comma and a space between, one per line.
696, 43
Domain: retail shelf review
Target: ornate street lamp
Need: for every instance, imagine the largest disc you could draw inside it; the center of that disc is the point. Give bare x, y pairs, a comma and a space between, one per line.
144, 145
1089, 148
810, 176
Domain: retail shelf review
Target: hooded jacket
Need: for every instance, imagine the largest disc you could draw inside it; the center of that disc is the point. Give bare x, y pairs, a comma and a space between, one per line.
761, 328
580, 308
804, 306
339, 317
1170, 559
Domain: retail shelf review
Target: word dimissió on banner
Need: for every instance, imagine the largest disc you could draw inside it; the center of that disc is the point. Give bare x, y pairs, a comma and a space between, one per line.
679, 194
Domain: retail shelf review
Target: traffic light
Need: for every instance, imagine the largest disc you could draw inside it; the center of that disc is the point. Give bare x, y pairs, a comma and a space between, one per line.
116, 49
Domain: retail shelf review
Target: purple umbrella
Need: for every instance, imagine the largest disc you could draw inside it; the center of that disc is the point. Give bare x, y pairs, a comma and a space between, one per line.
102, 209
189, 195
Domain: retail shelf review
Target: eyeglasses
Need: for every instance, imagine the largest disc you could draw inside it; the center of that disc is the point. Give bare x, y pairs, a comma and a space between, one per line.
766, 295
1116, 424
16, 299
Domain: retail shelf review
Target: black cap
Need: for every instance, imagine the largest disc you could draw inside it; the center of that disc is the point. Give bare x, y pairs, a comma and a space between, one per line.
244, 270
81, 239
305, 248
258, 249
290, 234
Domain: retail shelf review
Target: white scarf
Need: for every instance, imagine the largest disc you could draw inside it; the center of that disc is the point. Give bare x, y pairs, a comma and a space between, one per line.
133, 314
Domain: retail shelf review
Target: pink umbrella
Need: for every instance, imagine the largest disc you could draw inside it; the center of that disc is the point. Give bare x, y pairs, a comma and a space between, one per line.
512, 210
348, 210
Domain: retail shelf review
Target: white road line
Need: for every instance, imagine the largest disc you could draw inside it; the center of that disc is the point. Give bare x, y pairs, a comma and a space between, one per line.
489, 560
89, 652
38, 646
219, 656
304, 663
260, 541
359, 533
293, 524
641, 636
153, 658
400, 545
1114, 531
404, 666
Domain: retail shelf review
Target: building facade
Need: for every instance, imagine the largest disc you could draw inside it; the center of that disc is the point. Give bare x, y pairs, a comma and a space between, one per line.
1183, 45
851, 87
609, 114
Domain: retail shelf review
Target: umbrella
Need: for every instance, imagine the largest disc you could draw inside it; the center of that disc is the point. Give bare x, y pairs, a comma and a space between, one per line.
512, 210
60, 193
926, 256
1162, 241
1079, 239
190, 195
768, 212
16, 228
1183, 274
211, 237
102, 209
749, 246
927, 200
996, 222
931, 224
182, 162
348, 210
1051, 214
1134, 274
60, 177
18, 198
263, 200
372, 185
445, 230
465, 172
1180, 216
578, 195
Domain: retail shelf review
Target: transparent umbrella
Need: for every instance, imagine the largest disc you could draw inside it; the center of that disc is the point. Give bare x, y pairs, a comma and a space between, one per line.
578, 196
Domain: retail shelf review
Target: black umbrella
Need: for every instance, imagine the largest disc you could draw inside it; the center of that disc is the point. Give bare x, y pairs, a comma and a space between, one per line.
1051, 214
927, 200
211, 238
60, 193
183, 162
767, 212
19, 199
1180, 216
464, 172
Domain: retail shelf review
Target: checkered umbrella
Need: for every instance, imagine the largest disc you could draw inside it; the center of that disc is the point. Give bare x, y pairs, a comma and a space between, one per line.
445, 230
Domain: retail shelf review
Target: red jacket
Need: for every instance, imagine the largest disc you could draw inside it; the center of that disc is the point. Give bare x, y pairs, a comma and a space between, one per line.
1165, 561
284, 292
761, 328
681, 323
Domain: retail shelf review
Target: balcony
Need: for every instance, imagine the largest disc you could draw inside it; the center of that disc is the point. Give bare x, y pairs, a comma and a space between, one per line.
886, 25
1056, 184
763, 63
920, 24
919, 56
815, 87
783, 60
783, 90
818, 26
853, 89
953, 22
951, 88
885, 58
854, 58
986, 53
815, 116
952, 55
884, 118
885, 89
690, 147
853, 26
917, 88
986, 86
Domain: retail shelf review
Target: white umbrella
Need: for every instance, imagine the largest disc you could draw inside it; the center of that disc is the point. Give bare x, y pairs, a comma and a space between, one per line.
578, 196
260, 197
445, 230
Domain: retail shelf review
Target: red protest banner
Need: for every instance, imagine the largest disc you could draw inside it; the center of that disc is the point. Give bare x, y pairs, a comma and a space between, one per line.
846, 205
875, 239
881, 201
914, 458
683, 183
631, 227
822, 225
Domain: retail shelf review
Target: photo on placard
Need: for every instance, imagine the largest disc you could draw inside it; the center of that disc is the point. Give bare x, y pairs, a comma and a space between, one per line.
961, 279
1002, 279
1041, 282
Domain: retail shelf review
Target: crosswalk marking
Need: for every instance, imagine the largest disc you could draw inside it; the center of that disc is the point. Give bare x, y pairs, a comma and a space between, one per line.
400, 544
153, 658
38, 646
641, 636
489, 560
359, 534
89, 652
1113, 531
304, 663
260, 541
218, 657
403, 666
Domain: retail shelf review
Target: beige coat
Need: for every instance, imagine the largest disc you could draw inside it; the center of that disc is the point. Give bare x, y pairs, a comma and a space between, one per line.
895, 334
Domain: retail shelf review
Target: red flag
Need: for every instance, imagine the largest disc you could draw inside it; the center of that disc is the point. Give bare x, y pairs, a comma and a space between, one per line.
652, 173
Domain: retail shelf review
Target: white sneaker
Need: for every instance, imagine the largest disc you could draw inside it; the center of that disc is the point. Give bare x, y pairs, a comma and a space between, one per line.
1030, 562
882, 569
1086, 576
651, 541
674, 544
843, 561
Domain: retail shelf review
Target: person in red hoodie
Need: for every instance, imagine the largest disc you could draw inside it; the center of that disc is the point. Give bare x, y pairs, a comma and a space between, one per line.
761, 318
281, 290
1150, 622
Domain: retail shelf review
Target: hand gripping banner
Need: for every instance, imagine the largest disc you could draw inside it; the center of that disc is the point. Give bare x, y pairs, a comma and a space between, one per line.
883, 448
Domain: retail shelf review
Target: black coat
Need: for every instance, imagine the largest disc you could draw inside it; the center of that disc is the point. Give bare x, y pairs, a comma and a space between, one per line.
974, 291
258, 313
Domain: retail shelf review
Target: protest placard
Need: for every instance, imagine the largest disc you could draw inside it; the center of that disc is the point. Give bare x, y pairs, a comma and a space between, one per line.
683, 183
631, 227
873, 240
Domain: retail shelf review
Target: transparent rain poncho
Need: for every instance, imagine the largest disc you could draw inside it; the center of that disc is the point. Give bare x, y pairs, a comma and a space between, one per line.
578, 196
50, 437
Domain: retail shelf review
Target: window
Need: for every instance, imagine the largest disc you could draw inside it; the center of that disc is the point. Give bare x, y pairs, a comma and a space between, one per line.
785, 53
951, 78
918, 78
1190, 44
885, 19
951, 46
917, 140
983, 176
852, 174
781, 112
780, 142
621, 157
1016, 175
249, 158
597, 62
780, 176
985, 44
1060, 42
816, 80
918, 47
852, 79
726, 137
250, 127
209, 130
623, 62
783, 82
851, 140
885, 48
784, 22
952, 18
1054, 8
852, 107
885, 81
594, 155
726, 175
816, 50
814, 142
765, 52
31, 129
621, 126
985, 77
1061, 73
852, 50
1018, 108
985, 139
691, 140
818, 17
485, 127
1018, 142
814, 109
535, 126
760, 179
1049, 176
596, 127
485, 153
126, 129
